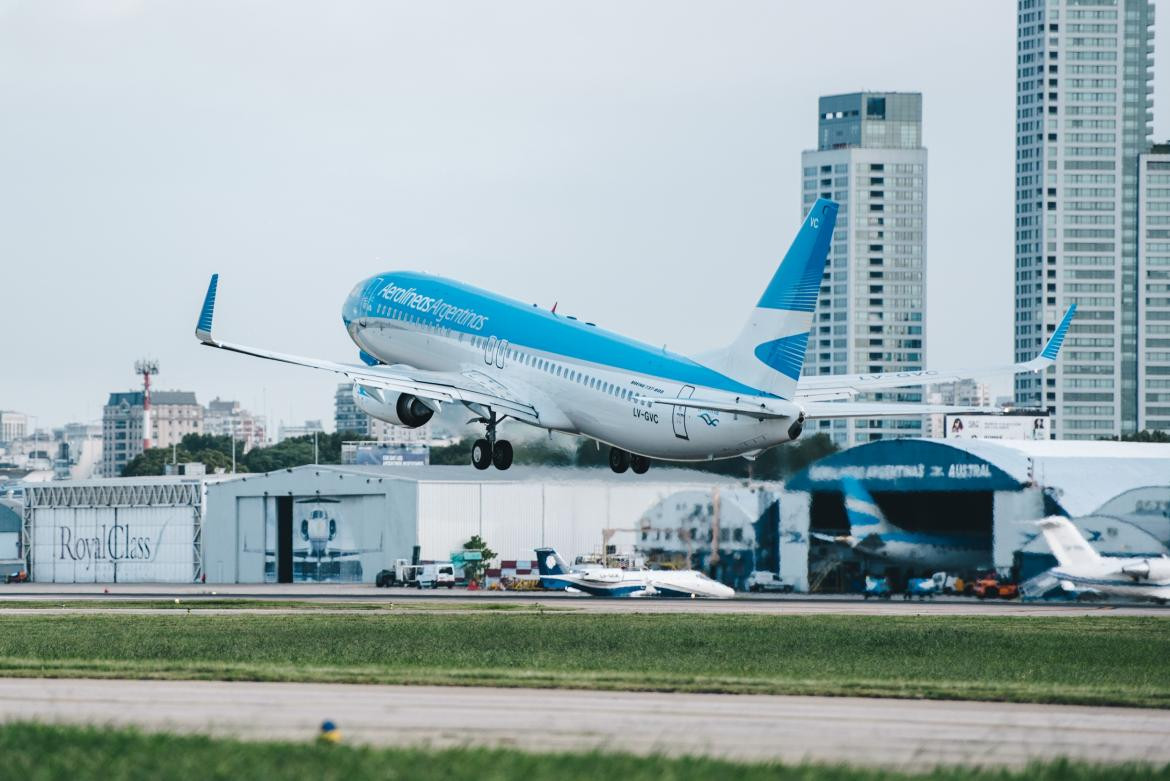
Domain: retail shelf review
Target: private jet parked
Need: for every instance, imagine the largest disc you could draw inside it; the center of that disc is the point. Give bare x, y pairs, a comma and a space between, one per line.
1081, 568
425, 340
600, 581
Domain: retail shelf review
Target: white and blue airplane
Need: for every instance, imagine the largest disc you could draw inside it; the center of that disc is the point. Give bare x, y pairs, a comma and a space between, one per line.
600, 581
873, 536
1079, 567
425, 341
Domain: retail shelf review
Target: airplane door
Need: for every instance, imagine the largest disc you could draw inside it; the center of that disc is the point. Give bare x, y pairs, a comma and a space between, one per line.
680, 413
500, 350
489, 351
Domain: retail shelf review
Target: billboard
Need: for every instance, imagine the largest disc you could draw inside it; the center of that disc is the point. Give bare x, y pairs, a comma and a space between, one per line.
975, 426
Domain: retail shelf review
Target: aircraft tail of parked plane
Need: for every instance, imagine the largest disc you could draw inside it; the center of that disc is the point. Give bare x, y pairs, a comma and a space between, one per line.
1081, 568
769, 352
1068, 545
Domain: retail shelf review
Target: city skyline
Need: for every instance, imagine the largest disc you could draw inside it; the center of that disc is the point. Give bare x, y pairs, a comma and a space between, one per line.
295, 175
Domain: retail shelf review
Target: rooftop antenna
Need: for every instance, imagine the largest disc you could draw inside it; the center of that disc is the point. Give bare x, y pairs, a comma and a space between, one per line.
147, 367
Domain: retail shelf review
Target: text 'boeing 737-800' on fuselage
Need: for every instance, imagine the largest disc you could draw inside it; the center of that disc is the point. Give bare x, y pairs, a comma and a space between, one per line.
425, 341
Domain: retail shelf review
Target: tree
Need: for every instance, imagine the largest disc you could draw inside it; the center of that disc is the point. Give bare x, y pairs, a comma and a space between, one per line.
1157, 435
458, 454
472, 570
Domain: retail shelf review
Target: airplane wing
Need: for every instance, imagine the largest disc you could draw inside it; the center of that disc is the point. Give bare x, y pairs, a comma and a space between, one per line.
846, 386
436, 386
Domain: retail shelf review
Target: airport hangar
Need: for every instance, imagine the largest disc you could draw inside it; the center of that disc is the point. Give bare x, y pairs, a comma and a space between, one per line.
1117, 492
345, 523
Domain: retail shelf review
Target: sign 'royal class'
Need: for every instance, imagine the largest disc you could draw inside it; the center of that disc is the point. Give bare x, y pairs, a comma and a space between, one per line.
115, 542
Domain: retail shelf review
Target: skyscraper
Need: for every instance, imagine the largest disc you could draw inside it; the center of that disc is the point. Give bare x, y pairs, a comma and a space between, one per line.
1084, 84
1153, 290
872, 303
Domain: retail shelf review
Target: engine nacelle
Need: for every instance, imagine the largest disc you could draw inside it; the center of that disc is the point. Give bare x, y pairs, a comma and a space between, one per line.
1148, 569
401, 409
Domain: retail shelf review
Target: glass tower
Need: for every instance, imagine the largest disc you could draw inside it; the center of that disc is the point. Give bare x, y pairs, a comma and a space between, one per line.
1084, 113
872, 303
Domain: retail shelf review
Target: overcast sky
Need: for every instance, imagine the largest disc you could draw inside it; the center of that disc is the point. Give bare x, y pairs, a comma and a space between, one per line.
639, 162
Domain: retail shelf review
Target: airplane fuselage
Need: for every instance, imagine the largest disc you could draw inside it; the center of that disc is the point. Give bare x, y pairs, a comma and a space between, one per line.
613, 582
582, 378
929, 552
1108, 579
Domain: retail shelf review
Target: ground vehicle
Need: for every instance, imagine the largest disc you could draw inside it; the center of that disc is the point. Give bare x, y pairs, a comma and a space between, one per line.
989, 587
762, 580
403, 573
20, 576
921, 588
948, 584
877, 587
434, 575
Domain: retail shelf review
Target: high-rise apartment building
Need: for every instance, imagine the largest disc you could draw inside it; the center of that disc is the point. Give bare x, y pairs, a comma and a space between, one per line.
227, 419
872, 303
173, 415
1153, 290
13, 426
1084, 84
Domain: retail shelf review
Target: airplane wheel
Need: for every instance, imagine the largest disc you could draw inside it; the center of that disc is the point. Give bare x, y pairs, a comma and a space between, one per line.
619, 460
502, 454
640, 464
481, 454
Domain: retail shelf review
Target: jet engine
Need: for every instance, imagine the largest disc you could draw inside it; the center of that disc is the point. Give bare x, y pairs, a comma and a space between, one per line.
1148, 569
400, 409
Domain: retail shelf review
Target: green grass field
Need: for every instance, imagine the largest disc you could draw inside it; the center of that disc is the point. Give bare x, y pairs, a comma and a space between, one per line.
1089, 660
47, 753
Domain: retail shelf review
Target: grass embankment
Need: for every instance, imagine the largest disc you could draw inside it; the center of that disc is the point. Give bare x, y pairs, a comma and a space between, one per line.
47, 753
1092, 660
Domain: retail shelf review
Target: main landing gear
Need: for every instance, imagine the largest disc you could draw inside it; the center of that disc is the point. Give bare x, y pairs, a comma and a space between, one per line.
620, 461
488, 451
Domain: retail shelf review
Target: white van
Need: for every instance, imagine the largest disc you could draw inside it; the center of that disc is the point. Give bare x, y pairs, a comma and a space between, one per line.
434, 575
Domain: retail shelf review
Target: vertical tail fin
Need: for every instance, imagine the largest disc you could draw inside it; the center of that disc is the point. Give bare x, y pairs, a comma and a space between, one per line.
865, 517
1068, 545
769, 352
549, 562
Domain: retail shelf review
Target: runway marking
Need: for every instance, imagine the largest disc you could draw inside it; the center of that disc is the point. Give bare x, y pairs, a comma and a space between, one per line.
904, 734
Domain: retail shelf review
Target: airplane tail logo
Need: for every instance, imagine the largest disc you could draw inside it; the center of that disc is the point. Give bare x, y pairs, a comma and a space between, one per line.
549, 562
769, 352
865, 517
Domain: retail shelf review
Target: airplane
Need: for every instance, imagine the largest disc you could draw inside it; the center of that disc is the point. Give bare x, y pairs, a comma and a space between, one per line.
600, 581
873, 536
1081, 568
425, 341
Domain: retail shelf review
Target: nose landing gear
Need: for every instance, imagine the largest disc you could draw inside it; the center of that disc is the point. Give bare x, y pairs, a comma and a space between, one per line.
489, 451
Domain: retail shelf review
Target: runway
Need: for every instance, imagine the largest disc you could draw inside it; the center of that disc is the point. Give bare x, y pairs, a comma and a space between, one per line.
359, 594
906, 734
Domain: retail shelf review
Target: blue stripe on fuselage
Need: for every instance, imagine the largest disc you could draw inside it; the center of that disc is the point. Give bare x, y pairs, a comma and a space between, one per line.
539, 329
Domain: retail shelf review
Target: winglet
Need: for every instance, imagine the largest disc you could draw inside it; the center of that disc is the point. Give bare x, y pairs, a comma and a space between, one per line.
203, 327
1051, 349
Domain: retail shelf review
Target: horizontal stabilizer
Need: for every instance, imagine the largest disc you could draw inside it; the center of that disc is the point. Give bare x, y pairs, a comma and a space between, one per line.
836, 410
826, 387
